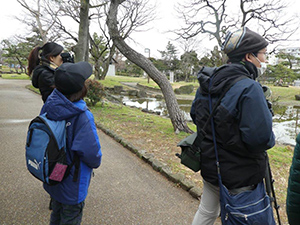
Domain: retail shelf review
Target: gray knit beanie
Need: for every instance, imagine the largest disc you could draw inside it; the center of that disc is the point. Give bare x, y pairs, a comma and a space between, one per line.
241, 42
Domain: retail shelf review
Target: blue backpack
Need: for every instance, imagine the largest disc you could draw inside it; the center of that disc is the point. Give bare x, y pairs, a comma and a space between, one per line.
46, 150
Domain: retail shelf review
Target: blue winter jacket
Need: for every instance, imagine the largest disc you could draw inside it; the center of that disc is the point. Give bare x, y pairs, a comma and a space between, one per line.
82, 139
243, 126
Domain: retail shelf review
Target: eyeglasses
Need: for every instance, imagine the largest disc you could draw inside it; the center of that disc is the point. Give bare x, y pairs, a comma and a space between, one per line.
265, 53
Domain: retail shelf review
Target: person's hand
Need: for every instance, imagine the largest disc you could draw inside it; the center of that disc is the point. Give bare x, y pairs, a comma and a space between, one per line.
270, 106
267, 91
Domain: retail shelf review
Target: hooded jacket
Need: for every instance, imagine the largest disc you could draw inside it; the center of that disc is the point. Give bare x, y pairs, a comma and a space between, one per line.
293, 195
82, 139
243, 125
43, 79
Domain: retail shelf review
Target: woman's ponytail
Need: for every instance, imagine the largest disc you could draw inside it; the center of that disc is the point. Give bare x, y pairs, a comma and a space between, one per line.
33, 59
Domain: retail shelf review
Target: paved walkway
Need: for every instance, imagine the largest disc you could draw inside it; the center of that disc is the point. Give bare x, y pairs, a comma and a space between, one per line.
125, 189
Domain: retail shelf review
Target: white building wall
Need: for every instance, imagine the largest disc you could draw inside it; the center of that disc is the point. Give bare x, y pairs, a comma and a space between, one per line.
111, 70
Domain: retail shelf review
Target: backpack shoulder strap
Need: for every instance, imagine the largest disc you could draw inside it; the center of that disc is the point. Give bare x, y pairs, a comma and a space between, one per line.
221, 97
202, 133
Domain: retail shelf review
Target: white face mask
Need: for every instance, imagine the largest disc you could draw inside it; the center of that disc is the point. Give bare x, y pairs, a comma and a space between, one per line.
262, 68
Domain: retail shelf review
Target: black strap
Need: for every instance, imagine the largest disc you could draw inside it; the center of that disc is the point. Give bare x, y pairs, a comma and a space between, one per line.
76, 161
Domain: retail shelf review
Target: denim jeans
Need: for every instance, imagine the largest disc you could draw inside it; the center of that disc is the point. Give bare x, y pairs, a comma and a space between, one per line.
63, 214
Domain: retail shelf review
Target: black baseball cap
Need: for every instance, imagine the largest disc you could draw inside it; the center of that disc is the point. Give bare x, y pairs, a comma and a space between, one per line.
69, 78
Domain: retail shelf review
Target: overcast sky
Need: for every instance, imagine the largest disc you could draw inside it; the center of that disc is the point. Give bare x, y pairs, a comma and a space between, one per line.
154, 39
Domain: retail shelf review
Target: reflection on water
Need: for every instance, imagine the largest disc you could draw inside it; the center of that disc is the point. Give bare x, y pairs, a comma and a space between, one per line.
150, 104
153, 104
285, 125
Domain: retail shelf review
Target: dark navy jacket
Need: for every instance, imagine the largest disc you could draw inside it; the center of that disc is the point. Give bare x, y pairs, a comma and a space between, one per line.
243, 125
82, 139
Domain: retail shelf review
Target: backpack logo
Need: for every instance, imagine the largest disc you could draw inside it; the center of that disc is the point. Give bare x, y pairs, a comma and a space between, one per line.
35, 164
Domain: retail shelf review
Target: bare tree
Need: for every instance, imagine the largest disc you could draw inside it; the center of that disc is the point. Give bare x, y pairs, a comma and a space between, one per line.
270, 16
131, 20
68, 10
132, 17
43, 20
82, 47
214, 18
212, 15
176, 116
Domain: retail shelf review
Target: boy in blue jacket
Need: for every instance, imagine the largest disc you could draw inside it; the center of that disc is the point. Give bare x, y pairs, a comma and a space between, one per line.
66, 103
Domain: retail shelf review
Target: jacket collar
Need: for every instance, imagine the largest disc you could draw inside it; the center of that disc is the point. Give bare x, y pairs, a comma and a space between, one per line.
222, 77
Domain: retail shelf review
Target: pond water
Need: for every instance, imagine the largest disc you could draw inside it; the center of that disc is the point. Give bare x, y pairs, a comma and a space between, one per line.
156, 105
285, 126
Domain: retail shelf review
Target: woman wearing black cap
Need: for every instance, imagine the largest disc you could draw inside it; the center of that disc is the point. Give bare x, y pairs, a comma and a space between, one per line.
242, 123
42, 66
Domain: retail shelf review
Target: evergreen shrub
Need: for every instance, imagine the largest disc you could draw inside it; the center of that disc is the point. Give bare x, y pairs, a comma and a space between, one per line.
95, 91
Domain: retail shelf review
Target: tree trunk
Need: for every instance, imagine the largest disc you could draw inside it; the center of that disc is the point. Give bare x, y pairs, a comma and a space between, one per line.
82, 48
107, 62
176, 116
97, 71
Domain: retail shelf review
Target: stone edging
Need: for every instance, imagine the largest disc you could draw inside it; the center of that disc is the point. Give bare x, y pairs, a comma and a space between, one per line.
157, 165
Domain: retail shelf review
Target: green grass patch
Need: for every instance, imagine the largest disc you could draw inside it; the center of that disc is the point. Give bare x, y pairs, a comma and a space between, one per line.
111, 81
108, 114
281, 156
22, 76
117, 80
285, 95
280, 161
30, 87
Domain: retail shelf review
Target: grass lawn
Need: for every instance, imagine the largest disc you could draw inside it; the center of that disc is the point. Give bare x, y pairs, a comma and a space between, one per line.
285, 95
16, 76
111, 81
116, 80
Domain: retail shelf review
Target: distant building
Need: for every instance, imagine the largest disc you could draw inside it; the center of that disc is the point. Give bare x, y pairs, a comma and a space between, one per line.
293, 51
